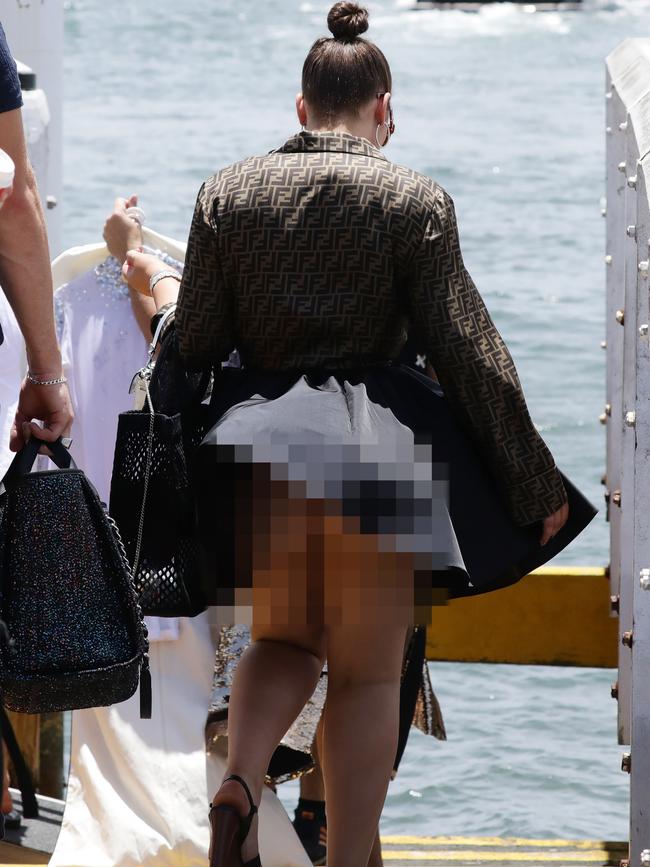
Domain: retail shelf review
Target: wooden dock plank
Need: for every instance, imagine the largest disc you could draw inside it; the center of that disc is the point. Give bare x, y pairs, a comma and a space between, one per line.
36, 838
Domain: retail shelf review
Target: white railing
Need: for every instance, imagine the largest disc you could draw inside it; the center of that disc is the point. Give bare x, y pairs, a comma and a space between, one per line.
627, 412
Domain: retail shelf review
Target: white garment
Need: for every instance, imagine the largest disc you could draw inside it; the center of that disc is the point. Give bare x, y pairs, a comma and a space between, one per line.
138, 790
13, 366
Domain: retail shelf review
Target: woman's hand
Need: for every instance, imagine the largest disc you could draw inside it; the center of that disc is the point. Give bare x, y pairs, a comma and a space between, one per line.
554, 523
139, 268
122, 232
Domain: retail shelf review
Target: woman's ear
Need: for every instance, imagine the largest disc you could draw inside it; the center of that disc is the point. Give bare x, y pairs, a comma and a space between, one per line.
382, 110
301, 111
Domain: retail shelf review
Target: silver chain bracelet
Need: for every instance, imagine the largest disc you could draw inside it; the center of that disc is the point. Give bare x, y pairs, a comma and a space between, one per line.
160, 275
61, 380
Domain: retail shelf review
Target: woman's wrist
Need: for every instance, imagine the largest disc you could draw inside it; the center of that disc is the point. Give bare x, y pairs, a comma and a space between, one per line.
164, 274
165, 290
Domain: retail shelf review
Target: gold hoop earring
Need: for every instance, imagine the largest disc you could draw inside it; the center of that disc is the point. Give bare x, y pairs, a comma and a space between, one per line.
387, 139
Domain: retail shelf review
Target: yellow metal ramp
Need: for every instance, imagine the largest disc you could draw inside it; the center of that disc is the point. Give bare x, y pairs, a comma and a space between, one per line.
494, 851
411, 851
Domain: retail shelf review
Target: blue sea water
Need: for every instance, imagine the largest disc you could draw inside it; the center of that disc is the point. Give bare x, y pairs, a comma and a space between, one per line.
505, 108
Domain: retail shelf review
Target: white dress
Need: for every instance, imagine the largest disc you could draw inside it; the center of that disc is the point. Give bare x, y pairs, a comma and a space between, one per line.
138, 790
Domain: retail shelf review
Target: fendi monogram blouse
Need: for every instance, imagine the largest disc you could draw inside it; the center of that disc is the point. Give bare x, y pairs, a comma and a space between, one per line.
319, 254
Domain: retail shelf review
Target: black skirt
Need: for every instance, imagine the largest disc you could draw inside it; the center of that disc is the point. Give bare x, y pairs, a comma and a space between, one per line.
489, 550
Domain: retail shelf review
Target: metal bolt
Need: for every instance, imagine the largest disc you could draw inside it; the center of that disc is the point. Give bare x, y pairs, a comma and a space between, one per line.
631, 231
644, 579
607, 497
603, 344
603, 479
627, 639
52, 202
608, 409
631, 182
623, 126
616, 498
602, 418
614, 690
630, 418
643, 268
643, 329
603, 212
608, 260
620, 317
608, 95
608, 130
622, 166
626, 764
615, 604
645, 857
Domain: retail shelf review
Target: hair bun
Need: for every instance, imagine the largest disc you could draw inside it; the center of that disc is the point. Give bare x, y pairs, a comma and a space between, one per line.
346, 21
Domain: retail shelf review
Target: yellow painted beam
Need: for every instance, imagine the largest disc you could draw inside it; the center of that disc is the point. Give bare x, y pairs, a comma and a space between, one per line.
554, 616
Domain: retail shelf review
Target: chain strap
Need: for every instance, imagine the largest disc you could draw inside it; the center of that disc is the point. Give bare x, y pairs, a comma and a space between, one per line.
147, 476
125, 561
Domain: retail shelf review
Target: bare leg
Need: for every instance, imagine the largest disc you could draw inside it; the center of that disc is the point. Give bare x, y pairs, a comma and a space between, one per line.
361, 728
364, 597
375, 859
312, 785
6, 805
273, 681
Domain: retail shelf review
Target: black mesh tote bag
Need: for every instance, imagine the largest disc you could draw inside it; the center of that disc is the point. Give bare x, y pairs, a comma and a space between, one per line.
77, 638
151, 497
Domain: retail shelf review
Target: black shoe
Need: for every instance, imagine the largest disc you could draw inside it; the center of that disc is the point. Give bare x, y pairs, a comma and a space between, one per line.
13, 820
229, 831
310, 824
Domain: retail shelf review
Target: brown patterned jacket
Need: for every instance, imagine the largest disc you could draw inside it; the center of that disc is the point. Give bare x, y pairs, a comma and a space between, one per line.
319, 254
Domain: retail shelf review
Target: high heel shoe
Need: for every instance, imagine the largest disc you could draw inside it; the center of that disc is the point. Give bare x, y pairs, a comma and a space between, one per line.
229, 830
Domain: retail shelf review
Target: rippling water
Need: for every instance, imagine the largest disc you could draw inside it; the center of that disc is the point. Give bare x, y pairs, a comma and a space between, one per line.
505, 108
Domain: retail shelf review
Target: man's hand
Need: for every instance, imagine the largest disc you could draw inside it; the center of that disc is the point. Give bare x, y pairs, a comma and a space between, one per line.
47, 403
554, 523
122, 232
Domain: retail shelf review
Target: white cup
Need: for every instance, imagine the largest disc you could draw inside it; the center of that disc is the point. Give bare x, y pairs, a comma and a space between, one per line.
7, 172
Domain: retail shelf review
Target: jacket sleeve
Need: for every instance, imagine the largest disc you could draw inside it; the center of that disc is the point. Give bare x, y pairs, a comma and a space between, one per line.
477, 372
205, 312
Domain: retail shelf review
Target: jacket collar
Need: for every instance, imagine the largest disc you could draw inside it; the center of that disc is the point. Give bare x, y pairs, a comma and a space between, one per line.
340, 142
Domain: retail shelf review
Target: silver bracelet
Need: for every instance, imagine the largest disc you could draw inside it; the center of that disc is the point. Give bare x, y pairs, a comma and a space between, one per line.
61, 380
160, 275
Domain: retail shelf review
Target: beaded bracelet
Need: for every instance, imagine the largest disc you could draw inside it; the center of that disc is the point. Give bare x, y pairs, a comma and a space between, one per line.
61, 380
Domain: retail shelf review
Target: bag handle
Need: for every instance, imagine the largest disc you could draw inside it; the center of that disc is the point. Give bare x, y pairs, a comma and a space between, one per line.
24, 460
25, 782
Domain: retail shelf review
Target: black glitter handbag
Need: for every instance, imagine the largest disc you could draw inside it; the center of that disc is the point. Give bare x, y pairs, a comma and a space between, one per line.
151, 497
66, 593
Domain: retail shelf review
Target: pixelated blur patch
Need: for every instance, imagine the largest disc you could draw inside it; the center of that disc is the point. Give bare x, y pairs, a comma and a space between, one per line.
326, 507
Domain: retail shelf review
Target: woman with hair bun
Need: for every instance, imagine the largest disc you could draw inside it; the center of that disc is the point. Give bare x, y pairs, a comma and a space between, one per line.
339, 493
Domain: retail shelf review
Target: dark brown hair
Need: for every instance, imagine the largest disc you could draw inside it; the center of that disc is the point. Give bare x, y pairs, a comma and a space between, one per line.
342, 73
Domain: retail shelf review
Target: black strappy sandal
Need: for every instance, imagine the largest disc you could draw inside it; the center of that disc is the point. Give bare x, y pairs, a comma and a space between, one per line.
229, 830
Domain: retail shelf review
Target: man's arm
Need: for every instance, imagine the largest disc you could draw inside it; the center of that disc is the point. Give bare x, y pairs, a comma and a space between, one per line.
26, 279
